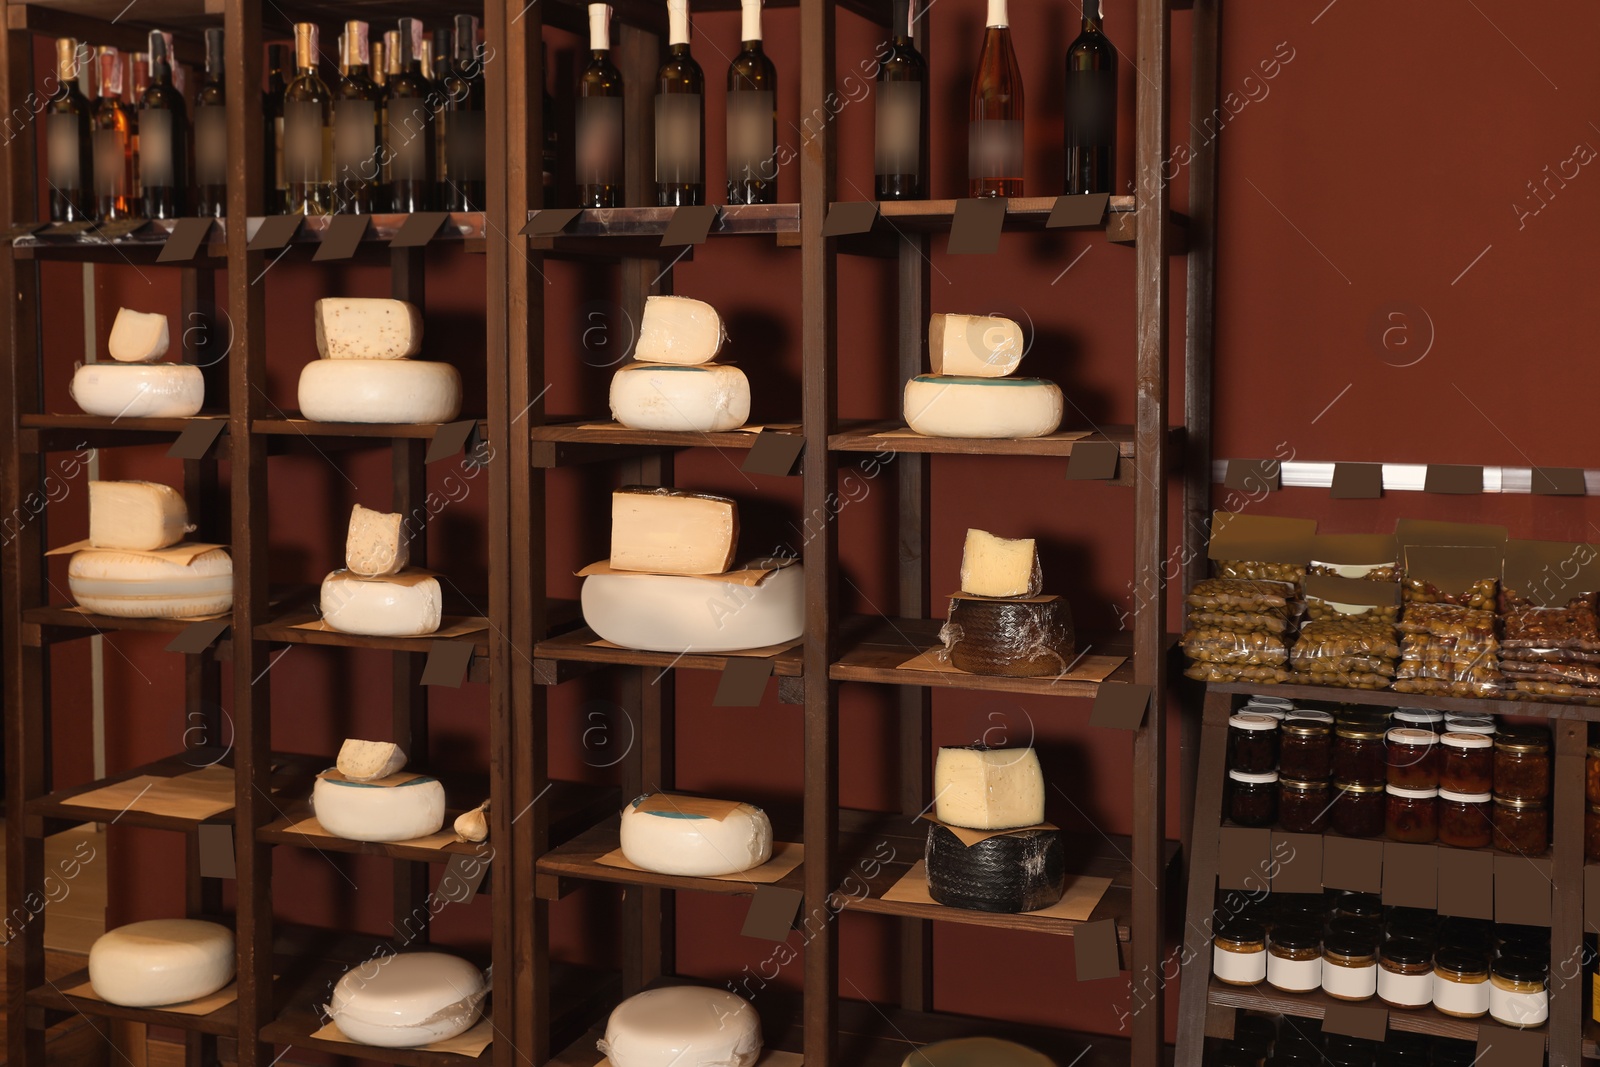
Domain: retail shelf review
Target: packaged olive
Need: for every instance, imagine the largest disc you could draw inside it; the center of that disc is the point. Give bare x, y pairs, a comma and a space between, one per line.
1554, 692
1457, 689
1448, 620
1346, 636
1223, 672
1259, 547
1318, 609
1549, 655
1569, 673
1214, 645
1575, 626
1237, 594
1355, 679
1259, 570
1270, 621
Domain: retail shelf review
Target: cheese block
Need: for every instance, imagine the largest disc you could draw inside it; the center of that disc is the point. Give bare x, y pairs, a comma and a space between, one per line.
678, 842
138, 337
977, 1052
1000, 566
381, 607
139, 390
677, 329
367, 328
360, 811
111, 582
682, 1026
709, 398
672, 531
982, 407
138, 515
408, 1000
670, 613
363, 761
376, 543
980, 346
1010, 638
403, 391
1011, 873
158, 962
988, 788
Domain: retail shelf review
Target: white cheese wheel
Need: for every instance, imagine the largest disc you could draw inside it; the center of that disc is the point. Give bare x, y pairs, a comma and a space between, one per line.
379, 607
988, 788
367, 328
683, 1026
977, 1052
161, 961
138, 337
677, 329
982, 407
376, 543
408, 1000
141, 516
403, 391
709, 398
110, 582
693, 845
139, 390
983, 346
359, 811
672, 613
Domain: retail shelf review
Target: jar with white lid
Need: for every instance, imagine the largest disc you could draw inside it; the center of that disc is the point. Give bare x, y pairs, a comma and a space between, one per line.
1283, 704
1519, 993
1349, 963
1239, 952
1405, 973
1252, 742
1468, 724
1426, 718
1253, 798
1294, 959
1460, 984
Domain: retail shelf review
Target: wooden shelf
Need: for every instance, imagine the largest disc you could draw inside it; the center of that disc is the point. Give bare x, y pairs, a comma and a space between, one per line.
1388, 698
60, 433
290, 426
732, 220
577, 441
283, 631
51, 996
554, 655
63, 622
1314, 1004
866, 439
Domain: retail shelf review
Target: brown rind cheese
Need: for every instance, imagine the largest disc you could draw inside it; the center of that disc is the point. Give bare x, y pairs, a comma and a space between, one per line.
1009, 638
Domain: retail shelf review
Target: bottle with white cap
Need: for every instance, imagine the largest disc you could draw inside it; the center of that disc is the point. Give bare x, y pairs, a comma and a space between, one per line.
598, 129
752, 116
680, 118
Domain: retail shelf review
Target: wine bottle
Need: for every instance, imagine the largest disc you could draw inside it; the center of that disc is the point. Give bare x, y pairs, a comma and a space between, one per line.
355, 129
163, 136
438, 72
277, 188
900, 153
680, 118
211, 135
1091, 107
136, 79
598, 124
68, 147
379, 67
113, 142
994, 138
391, 67
308, 130
752, 116
411, 144
552, 135
464, 145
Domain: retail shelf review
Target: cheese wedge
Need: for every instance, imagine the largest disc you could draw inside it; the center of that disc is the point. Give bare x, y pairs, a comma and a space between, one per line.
367, 328
980, 346
677, 329
140, 516
364, 761
1000, 566
671, 531
988, 788
376, 545
138, 337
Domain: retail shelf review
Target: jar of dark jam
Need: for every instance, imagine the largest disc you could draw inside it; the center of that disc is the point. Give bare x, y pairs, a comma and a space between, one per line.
1252, 743
1521, 825
1305, 749
1421, 718
1466, 820
1522, 766
1359, 753
1411, 815
1591, 834
1360, 907
1466, 762
1303, 806
1253, 798
1358, 809
1413, 758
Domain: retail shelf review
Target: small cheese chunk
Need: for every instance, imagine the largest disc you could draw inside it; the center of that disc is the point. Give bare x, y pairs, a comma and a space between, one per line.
138, 337
376, 544
670, 531
138, 516
682, 1026
985, 408
404, 391
709, 398
988, 788
367, 328
999, 566
139, 390
158, 962
364, 761
982, 346
677, 329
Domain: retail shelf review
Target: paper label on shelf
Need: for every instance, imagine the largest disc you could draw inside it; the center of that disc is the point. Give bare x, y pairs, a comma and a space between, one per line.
333, 774
197, 795
449, 626
786, 857
471, 1043
183, 553
203, 1006
969, 837
1083, 669
1261, 538
750, 574
1077, 904
1043, 598
310, 827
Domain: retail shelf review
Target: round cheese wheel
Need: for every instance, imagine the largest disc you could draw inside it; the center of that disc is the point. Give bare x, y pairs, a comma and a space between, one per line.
139, 390
1015, 872
977, 1052
360, 811
1009, 638
131, 586
161, 961
952, 406
674, 613
379, 390
677, 842
661, 396
381, 607
412, 999
683, 1026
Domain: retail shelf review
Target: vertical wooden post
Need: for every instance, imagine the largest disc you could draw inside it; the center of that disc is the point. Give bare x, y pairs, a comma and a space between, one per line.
1568, 1006
1202, 885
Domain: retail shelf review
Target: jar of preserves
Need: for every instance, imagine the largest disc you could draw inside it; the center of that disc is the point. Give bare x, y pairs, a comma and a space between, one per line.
1411, 815
1349, 962
1591, 834
1466, 762
1305, 749
1466, 820
1267, 705
1310, 715
1521, 826
1413, 758
1359, 754
1366, 907
1252, 743
1302, 806
1341, 1051
1591, 780
1405, 973
1239, 952
1519, 992
1358, 809
1461, 984
1522, 766
1422, 718
1469, 724
1294, 959
1253, 798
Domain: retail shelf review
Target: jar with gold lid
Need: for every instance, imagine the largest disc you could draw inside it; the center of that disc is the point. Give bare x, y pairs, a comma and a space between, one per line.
1302, 806
1305, 748
1522, 765
1358, 808
1239, 952
1294, 959
1466, 820
1519, 992
1405, 972
1521, 826
1349, 962
1460, 983
1359, 754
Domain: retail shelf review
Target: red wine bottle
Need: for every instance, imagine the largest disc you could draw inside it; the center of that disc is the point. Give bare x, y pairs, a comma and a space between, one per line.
752, 116
412, 147
680, 118
211, 135
1091, 108
598, 125
994, 138
163, 136
67, 143
900, 152
464, 187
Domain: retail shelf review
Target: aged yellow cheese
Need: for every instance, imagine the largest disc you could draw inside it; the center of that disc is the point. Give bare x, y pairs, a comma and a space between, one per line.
670, 531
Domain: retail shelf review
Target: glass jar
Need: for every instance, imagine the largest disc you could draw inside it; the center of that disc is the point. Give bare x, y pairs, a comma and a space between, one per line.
1239, 952
1521, 826
1519, 992
1591, 834
1591, 781
1411, 815
1358, 809
1522, 766
1365, 907
1252, 743
1253, 798
1469, 724
1302, 806
1461, 984
1294, 959
1349, 963
1466, 820
1305, 749
1310, 715
1405, 973
1267, 705
1466, 762
1344, 1051
1421, 718
1359, 754
1413, 758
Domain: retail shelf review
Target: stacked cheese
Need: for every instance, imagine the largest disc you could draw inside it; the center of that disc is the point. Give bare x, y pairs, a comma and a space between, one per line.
999, 624
970, 392
361, 803
366, 373
664, 588
137, 385
136, 566
674, 385
997, 791
376, 594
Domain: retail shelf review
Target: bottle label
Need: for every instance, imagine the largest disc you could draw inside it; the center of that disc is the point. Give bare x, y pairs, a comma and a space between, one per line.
110, 163
211, 145
994, 149
464, 145
61, 151
408, 129
678, 118
355, 140
156, 168
1092, 106
751, 120
302, 141
898, 148
598, 134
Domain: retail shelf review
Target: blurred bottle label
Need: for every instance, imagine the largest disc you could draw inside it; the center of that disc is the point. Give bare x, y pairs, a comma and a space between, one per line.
211, 145
678, 138
750, 134
899, 128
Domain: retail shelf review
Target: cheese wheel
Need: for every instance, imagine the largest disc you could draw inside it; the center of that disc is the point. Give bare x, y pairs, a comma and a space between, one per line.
367, 328
161, 961
1010, 638
988, 788
1010, 873
658, 396
952, 406
693, 845
982, 346
138, 337
129, 586
408, 1000
403, 391
139, 390
682, 1026
672, 613
678, 329
135, 515
977, 1052
380, 607
360, 811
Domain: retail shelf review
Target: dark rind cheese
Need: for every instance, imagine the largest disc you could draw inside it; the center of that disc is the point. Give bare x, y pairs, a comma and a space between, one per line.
1009, 638
1010, 873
